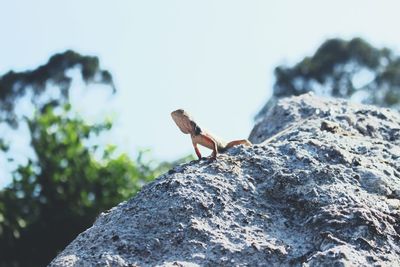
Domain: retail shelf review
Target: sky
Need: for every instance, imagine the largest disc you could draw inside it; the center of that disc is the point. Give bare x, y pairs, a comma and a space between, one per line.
214, 58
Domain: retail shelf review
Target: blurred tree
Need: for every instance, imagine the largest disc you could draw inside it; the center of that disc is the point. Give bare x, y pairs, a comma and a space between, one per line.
35, 83
56, 196
345, 69
46, 85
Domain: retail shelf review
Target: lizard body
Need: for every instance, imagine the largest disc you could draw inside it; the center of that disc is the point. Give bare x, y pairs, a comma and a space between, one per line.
200, 136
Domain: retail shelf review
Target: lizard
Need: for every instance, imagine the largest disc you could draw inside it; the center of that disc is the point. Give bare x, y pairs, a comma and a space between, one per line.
188, 125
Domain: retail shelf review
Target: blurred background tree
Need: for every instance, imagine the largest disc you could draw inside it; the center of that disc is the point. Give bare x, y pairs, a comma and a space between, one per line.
59, 193
49, 83
348, 69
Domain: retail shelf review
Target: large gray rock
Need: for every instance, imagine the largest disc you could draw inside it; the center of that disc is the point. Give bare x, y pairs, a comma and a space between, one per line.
321, 188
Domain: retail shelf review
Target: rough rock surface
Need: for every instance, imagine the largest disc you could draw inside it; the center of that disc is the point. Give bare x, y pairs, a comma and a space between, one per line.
324, 191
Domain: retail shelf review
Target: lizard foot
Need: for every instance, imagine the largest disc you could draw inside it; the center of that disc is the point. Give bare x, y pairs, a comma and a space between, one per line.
212, 158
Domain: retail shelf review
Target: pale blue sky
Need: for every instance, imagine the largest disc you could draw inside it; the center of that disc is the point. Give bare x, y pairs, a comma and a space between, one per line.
214, 58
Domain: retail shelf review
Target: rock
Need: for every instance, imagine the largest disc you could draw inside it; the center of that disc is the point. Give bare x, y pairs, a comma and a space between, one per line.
321, 187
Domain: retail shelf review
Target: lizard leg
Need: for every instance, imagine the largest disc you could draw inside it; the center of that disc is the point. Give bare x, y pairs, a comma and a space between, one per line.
214, 146
196, 149
238, 142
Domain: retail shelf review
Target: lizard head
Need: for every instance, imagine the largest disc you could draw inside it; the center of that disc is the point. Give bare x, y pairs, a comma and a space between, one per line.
185, 122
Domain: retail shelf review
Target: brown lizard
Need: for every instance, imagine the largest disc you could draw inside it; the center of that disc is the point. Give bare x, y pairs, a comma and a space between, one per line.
199, 136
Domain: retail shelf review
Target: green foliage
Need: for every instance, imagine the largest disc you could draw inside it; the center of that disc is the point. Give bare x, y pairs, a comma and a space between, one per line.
14, 85
59, 194
336, 69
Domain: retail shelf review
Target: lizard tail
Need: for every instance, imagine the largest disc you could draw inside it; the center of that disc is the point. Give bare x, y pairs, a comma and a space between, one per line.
244, 142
